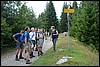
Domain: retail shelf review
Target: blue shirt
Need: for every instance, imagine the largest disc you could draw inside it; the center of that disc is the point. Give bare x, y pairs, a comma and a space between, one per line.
22, 38
17, 36
27, 36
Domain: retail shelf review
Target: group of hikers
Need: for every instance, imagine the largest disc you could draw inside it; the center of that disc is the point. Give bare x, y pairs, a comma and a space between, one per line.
31, 39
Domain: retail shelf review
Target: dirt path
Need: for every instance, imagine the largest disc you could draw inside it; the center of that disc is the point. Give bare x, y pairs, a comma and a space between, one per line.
9, 59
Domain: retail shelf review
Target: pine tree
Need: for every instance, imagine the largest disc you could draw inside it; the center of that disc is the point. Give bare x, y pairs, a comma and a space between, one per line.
64, 22
15, 16
85, 23
51, 18
73, 28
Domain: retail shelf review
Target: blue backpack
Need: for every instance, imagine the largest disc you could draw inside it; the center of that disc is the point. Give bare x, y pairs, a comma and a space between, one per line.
22, 38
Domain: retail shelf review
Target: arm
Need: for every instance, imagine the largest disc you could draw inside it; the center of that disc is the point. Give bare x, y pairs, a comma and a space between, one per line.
26, 43
15, 38
50, 36
56, 33
26, 39
31, 39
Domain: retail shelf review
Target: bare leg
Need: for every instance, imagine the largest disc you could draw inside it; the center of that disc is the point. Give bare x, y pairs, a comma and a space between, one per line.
17, 52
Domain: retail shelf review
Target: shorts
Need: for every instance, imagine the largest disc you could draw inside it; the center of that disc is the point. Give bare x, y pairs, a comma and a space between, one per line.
29, 47
33, 42
20, 45
37, 41
40, 42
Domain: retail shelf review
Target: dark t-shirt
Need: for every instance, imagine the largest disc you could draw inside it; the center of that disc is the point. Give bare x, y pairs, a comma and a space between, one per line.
54, 36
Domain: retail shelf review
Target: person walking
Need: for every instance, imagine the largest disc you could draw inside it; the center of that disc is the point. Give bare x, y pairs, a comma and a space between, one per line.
19, 45
54, 36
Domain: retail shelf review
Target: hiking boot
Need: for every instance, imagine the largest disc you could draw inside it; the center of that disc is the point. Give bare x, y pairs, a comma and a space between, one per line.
38, 54
41, 53
32, 56
25, 51
17, 59
21, 58
36, 49
24, 58
28, 62
54, 51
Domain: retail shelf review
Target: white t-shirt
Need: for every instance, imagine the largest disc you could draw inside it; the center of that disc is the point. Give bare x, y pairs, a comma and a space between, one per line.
32, 34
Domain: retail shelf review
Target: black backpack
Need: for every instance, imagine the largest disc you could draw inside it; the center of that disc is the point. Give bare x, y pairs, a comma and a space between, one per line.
56, 33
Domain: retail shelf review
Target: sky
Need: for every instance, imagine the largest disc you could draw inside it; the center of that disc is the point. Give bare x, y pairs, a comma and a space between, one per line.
39, 6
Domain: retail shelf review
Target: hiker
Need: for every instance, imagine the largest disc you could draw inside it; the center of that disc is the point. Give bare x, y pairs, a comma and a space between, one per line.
27, 45
64, 33
32, 38
54, 36
40, 42
19, 45
36, 39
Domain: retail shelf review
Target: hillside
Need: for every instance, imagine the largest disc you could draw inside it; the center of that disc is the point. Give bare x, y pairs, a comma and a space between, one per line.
81, 55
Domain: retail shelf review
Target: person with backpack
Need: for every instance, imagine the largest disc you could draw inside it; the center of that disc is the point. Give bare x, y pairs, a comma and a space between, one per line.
32, 38
27, 45
19, 45
40, 42
54, 36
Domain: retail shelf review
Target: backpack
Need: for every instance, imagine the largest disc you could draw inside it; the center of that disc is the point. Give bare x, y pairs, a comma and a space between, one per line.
18, 36
22, 38
56, 33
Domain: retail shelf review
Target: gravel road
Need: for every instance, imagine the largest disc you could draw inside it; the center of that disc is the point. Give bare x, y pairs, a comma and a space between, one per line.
9, 59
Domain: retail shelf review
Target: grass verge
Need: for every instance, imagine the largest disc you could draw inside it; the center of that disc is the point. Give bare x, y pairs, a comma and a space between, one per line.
81, 55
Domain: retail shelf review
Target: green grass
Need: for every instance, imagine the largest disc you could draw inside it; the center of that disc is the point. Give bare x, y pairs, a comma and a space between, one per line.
81, 55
